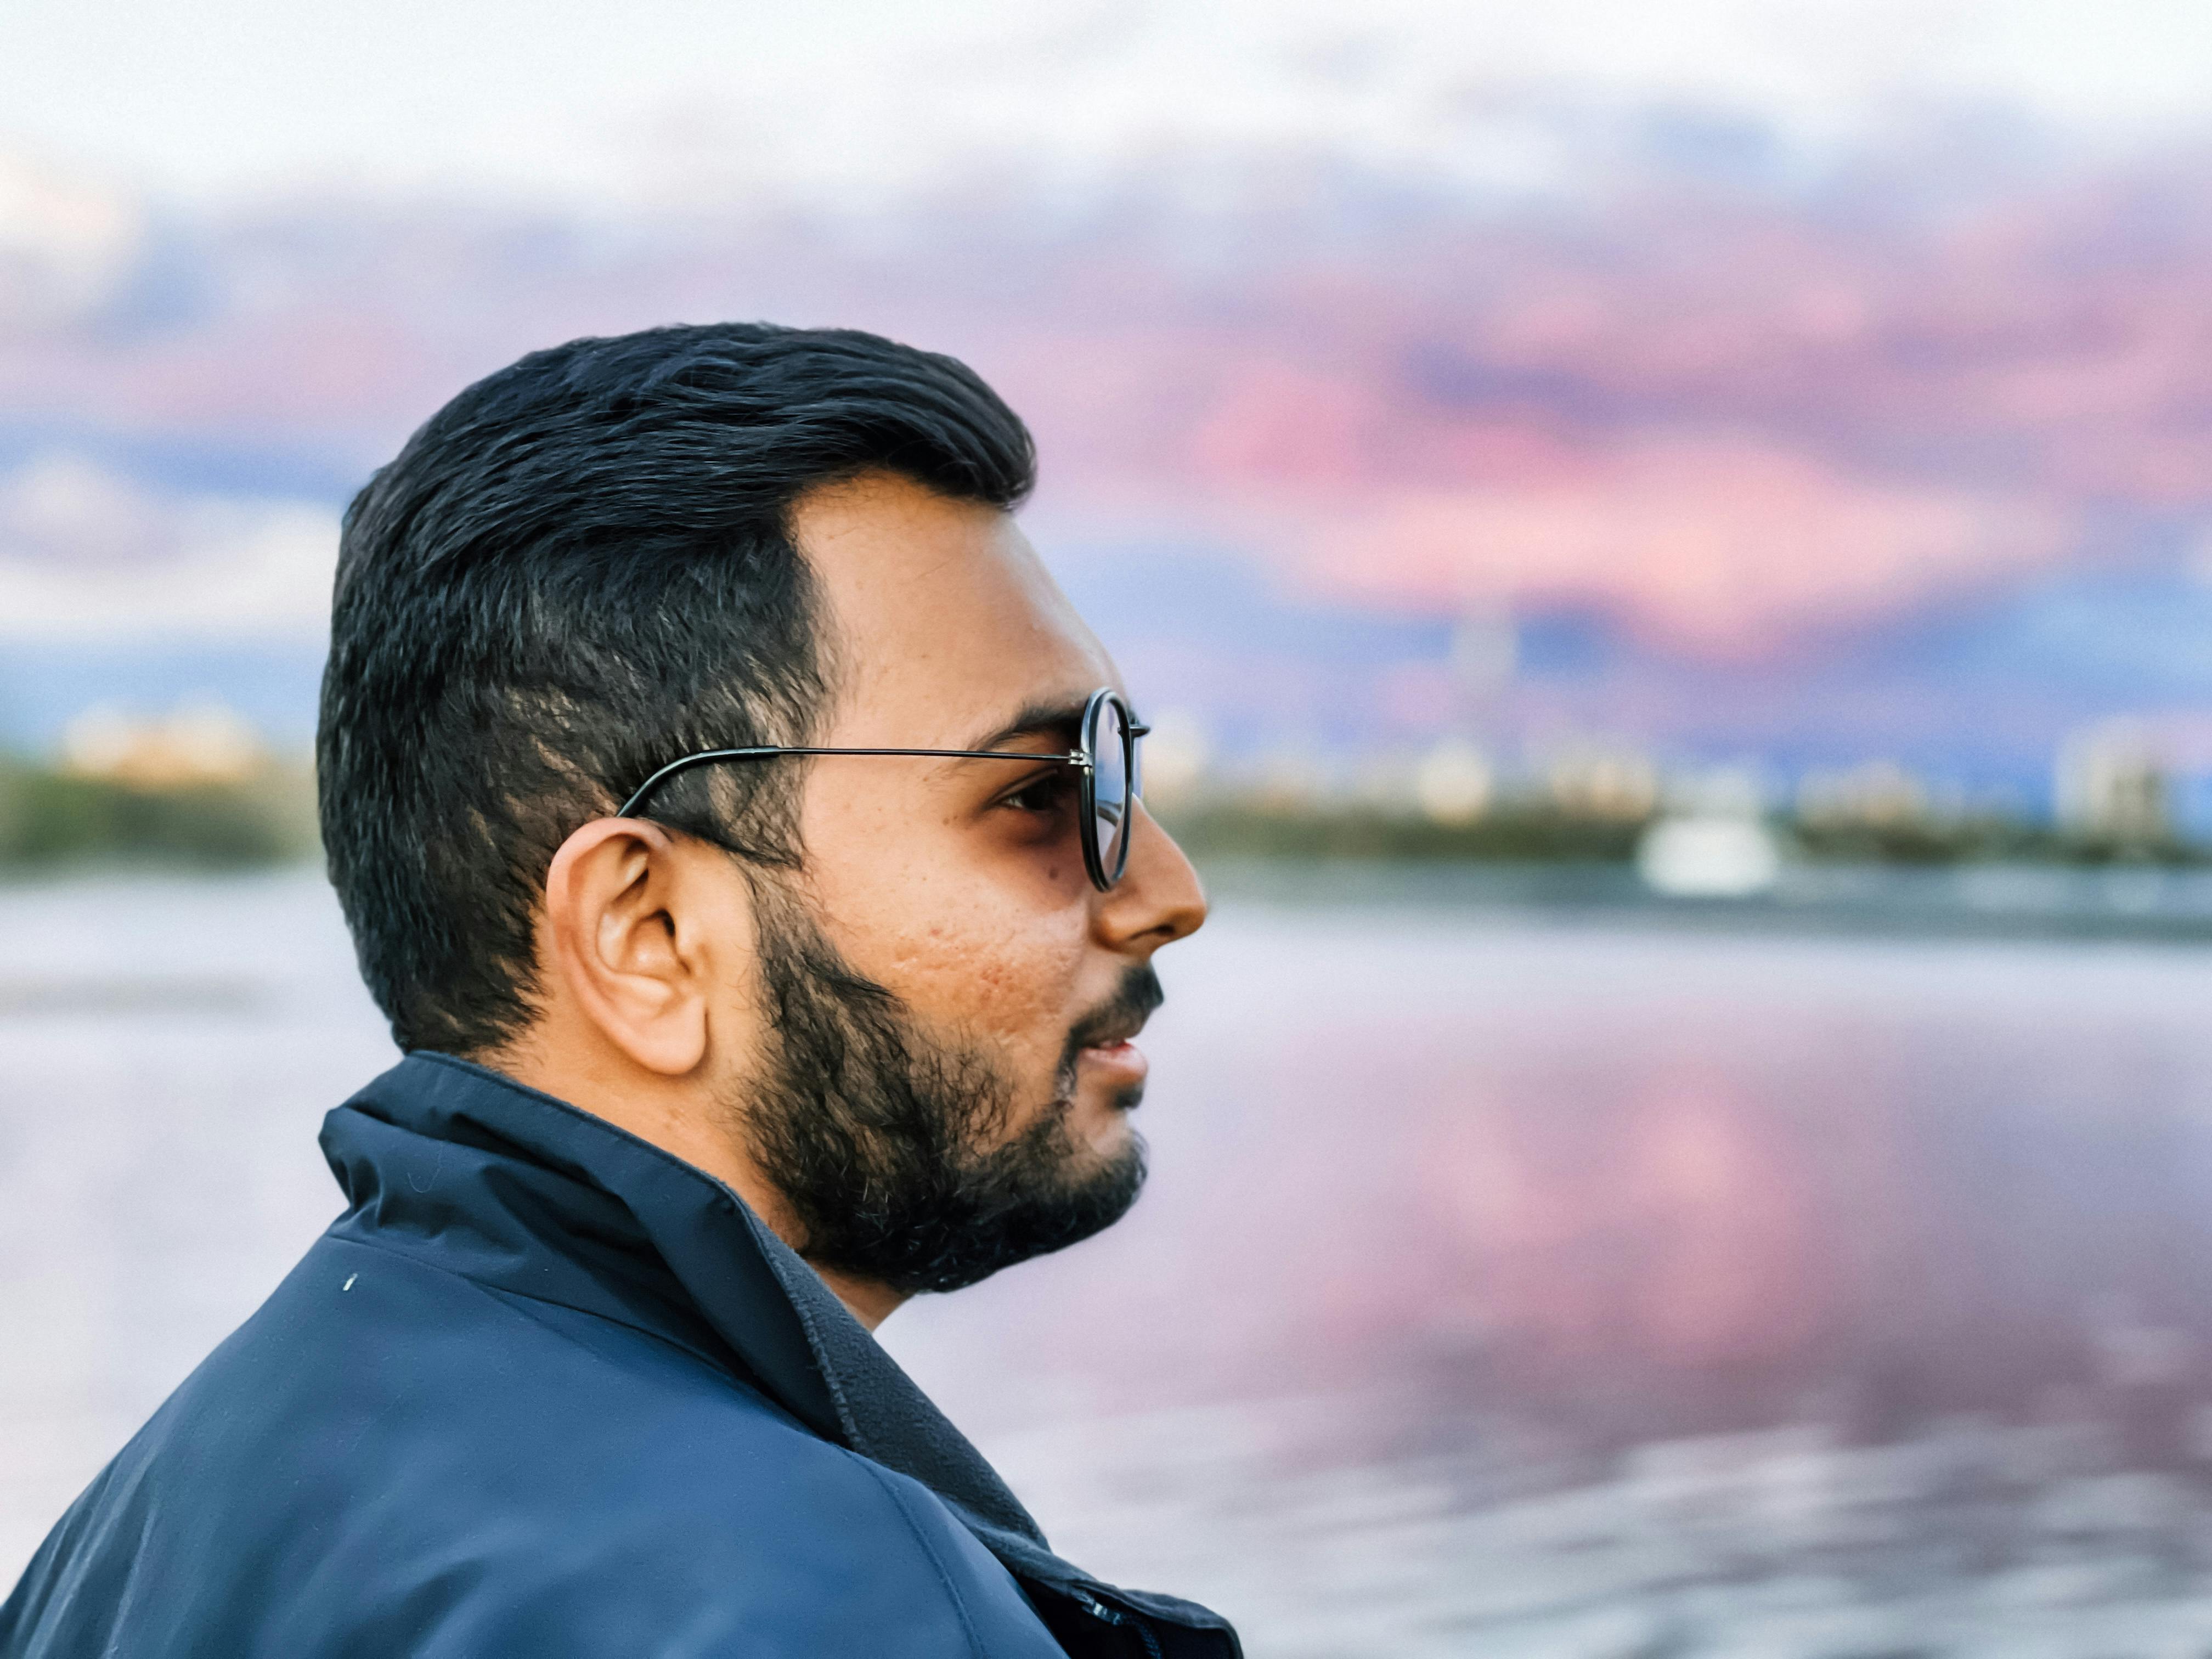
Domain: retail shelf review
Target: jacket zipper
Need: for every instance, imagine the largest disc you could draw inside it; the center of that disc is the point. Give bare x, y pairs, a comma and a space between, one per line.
1097, 1609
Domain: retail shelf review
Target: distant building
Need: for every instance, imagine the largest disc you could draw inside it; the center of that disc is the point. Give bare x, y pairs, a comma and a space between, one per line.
1738, 791
200, 742
1291, 777
1384, 779
1709, 856
2114, 783
1453, 782
1879, 795
1611, 781
1712, 840
1178, 757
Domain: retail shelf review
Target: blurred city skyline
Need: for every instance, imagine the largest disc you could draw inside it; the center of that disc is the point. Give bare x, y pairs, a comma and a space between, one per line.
1800, 384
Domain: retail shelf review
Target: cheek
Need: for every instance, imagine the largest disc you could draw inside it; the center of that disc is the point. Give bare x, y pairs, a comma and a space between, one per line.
970, 947
1007, 980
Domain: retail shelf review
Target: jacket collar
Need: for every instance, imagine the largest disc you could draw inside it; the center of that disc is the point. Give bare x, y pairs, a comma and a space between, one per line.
539, 1197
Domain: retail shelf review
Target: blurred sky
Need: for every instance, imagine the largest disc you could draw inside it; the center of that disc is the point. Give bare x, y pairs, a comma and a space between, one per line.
231, 97
1806, 382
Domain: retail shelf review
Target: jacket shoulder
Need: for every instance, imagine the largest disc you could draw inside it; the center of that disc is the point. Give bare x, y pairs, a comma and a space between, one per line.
392, 1458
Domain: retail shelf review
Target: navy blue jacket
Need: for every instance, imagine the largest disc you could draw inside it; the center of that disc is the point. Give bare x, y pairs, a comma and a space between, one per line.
544, 1390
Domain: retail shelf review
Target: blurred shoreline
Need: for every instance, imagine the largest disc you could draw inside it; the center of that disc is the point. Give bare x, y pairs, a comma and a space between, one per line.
2125, 903
1984, 879
1980, 901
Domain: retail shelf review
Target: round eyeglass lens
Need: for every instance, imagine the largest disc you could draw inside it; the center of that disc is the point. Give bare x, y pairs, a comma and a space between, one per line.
1109, 786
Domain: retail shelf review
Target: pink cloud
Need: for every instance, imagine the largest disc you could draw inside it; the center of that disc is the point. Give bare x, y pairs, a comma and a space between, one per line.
1722, 542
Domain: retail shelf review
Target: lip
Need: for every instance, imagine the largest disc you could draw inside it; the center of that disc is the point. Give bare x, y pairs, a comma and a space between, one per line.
1117, 1057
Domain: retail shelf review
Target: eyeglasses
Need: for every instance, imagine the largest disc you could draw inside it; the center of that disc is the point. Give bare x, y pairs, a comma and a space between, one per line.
1104, 757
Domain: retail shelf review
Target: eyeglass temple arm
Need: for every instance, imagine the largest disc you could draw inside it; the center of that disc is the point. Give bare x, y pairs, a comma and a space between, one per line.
629, 808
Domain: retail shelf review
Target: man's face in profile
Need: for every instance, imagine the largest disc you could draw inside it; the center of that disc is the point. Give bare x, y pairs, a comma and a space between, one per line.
950, 1001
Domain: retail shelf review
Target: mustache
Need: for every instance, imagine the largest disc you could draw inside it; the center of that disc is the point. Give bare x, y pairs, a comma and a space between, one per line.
1120, 1017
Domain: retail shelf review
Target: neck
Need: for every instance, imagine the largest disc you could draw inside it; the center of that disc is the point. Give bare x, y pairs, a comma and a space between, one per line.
867, 1301
684, 1128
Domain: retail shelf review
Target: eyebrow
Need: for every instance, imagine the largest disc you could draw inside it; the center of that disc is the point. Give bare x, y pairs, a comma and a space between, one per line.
1053, 718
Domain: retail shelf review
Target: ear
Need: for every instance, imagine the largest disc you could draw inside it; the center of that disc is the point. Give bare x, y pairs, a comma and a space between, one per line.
626, 945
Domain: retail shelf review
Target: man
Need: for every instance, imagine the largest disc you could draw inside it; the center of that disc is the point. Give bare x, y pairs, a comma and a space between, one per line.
712, 1058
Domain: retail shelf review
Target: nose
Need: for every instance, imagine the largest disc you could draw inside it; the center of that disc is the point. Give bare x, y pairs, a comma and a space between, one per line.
1159, 899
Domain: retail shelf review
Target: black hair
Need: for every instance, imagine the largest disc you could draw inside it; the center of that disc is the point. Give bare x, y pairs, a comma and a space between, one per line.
579, 568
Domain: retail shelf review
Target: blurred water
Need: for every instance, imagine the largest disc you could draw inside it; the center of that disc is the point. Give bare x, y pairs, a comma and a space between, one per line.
1502, 1288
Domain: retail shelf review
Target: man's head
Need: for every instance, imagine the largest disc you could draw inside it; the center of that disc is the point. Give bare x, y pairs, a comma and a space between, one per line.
878, 994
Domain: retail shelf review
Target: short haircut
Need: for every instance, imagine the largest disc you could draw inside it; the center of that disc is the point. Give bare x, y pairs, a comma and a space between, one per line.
579, 568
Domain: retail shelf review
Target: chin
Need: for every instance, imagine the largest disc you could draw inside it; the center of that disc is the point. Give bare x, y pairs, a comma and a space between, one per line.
1100, 1122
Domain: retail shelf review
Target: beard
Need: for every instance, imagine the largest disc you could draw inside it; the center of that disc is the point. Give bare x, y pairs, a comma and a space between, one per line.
892, 1147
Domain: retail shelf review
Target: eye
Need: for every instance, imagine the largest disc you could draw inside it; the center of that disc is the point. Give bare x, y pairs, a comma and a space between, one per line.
1049, 791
